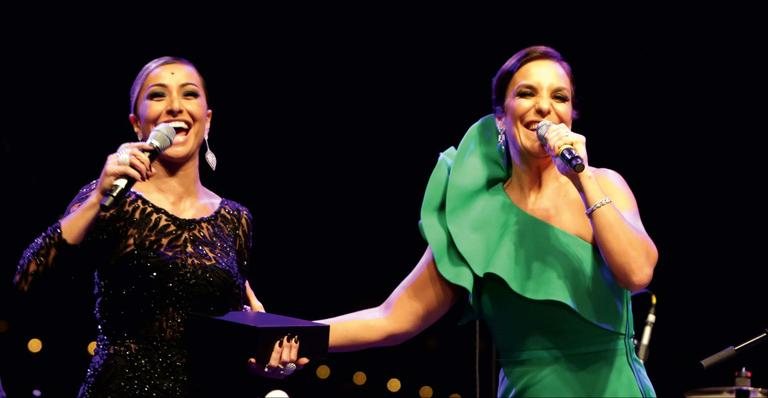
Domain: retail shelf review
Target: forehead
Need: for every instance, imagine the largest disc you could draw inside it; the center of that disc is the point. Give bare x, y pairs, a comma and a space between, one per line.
542, 72
173, 74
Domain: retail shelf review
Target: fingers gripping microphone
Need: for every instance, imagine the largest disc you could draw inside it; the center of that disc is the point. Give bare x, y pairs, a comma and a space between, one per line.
566, 152
160, 138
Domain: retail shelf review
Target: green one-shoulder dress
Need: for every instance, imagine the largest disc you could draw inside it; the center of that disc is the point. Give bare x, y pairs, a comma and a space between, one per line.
562, 325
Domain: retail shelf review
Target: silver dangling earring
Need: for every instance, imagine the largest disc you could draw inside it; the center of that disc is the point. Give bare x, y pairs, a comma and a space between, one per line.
502, 141
502, 146
210, 158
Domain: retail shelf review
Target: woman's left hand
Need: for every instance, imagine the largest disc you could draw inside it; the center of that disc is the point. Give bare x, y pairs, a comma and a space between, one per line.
559, 136
283, 361
285, 354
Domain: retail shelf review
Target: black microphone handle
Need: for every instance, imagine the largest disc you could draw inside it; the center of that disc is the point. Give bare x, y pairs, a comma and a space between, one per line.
730, 351
572, 159
715, 358
123, 185
566, 152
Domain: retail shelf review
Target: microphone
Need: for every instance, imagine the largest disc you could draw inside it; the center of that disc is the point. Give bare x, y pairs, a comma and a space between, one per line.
731, 350
566, 152
642, 352
160, 138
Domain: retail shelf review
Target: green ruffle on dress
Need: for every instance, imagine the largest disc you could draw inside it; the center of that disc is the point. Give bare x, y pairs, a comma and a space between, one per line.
561, 324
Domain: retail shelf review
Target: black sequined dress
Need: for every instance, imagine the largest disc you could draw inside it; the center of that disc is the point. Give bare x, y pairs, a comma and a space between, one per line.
152, 269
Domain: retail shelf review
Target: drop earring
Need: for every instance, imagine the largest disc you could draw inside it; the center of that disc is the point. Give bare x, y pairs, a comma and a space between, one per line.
210, 157
501, 145
502, 141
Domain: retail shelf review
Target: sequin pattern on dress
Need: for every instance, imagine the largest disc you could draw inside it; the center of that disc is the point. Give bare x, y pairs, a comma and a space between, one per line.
152, 269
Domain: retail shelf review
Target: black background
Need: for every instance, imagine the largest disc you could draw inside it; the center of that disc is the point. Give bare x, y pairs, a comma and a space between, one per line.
327, 123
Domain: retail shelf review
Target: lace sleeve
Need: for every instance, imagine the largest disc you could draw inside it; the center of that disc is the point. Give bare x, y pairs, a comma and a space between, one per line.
245, 242
43, 251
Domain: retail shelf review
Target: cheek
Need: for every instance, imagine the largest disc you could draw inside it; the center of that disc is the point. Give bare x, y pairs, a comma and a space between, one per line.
518, 107
565, 113
148, 109
200, 109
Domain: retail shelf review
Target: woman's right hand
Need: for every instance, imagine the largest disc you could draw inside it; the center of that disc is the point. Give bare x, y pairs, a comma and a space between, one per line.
130, 160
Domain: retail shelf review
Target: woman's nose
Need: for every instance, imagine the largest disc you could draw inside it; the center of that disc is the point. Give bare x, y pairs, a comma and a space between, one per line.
174, 105
543, 106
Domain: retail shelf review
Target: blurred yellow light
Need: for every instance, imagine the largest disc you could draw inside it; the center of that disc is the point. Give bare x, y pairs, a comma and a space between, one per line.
323, 372
91, 347
3, 326
393, 385
34, 345
455, 395
425, 392
359, 378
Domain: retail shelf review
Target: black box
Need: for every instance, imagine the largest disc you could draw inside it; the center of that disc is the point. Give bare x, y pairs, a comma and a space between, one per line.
220, 346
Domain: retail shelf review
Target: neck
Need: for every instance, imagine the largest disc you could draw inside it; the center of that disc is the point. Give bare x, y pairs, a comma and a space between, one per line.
534, 178
177, 183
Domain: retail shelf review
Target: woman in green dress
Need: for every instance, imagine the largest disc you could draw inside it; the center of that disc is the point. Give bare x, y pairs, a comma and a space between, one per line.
546, 256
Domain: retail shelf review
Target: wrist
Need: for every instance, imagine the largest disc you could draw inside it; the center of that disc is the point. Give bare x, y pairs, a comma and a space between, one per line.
94, 199
600, 203
582, 181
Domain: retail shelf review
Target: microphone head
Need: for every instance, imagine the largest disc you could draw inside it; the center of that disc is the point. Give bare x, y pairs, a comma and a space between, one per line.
541, 130
162, 136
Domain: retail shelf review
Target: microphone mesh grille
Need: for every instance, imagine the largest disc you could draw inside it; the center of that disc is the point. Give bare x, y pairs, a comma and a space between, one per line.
162, 136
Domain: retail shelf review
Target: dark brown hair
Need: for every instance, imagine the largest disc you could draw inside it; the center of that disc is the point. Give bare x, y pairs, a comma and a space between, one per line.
150, 67
513, 64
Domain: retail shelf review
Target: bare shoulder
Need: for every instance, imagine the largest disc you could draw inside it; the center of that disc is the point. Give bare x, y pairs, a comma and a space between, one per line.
213, 201
209, 198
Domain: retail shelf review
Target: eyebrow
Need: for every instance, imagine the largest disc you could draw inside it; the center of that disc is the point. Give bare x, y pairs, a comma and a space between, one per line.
163, 85
531, 86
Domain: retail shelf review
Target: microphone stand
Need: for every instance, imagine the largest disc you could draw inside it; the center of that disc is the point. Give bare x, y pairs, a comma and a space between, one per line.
731, 351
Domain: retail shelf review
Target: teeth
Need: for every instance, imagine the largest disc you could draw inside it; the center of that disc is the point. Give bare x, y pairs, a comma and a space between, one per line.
179, 125
535, 126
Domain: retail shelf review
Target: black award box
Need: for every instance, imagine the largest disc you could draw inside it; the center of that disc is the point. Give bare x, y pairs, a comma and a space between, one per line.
220, 347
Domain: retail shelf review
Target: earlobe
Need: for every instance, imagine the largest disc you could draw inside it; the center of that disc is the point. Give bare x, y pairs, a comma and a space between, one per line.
136, 126
208, 115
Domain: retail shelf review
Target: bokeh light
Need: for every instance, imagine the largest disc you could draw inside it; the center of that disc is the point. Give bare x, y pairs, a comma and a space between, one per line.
393, 385
323, 372
359, 378
34, 345
92, 347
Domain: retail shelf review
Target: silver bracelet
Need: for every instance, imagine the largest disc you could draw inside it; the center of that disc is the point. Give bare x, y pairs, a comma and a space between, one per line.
600, 203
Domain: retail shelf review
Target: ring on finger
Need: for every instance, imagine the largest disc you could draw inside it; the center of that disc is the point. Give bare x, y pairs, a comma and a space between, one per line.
123, 158
290, 367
